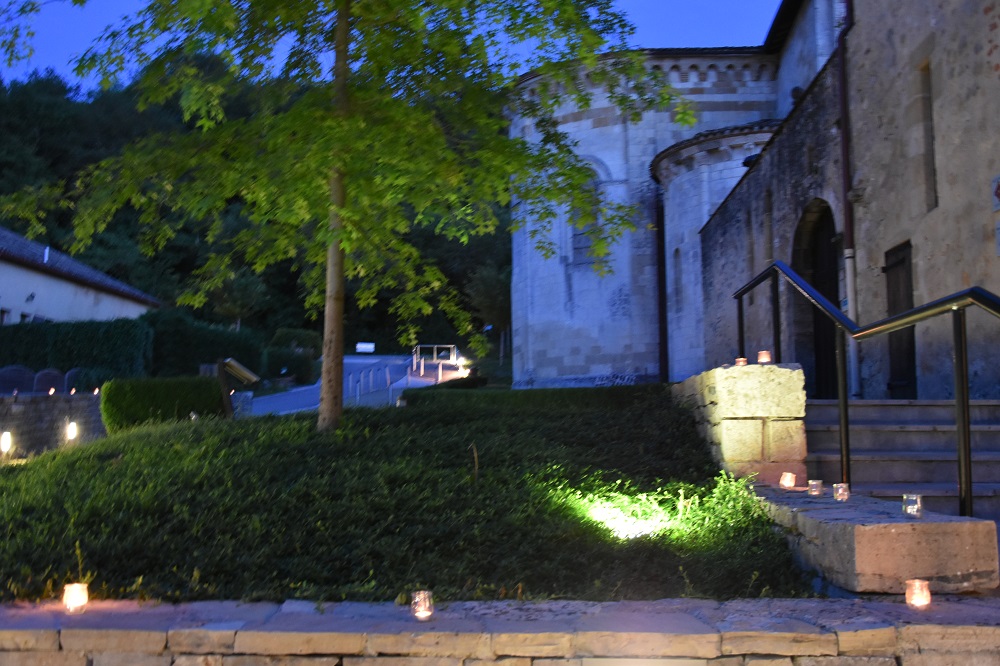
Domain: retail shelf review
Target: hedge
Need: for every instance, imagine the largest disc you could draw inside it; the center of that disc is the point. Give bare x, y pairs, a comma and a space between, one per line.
310, 342
122, 347
181, 344
126, 403
297, 364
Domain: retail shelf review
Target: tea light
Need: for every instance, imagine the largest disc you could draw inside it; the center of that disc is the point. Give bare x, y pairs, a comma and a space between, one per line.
741, 360
815, 487
918, 593
841, 492
422, 605
764, 357
787, 480
6, 442
913, 506
75, 597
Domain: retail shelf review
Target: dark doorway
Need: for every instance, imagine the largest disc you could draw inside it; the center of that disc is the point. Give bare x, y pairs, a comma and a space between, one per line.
902, 347
817, 258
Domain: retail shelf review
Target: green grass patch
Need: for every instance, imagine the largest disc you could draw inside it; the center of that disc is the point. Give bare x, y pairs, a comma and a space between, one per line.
476, 495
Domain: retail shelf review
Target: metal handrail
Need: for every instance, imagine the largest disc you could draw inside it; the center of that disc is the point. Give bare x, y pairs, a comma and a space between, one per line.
956, 304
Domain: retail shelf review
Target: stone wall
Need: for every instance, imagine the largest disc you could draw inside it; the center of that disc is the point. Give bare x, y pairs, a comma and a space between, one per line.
926, 173
751, 417
38, 423
770, 215
669, 632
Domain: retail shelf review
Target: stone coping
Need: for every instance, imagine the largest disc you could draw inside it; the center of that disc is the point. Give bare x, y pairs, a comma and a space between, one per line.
632, 632
868, 545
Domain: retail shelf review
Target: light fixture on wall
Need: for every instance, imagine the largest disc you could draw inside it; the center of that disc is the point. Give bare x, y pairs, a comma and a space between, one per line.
72, 431
6, 442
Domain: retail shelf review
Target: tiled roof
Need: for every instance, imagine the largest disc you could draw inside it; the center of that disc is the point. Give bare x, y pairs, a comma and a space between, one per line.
17, 249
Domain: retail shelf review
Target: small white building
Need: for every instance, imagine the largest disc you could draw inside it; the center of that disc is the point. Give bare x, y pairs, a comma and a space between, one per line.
38, 283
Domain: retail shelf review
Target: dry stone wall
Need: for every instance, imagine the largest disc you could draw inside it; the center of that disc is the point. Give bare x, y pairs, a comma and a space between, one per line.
38, 423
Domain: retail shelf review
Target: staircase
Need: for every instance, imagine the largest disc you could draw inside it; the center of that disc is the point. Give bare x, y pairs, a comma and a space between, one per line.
908, 446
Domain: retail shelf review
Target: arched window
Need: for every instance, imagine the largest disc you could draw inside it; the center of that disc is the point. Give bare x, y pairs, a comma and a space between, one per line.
582, 236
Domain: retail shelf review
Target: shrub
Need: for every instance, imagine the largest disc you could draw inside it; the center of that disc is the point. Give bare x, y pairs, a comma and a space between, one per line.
309, 342
296, 364
181, 344
126, 403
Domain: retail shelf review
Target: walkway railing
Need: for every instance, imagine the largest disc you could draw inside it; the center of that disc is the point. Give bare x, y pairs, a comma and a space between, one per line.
956, 304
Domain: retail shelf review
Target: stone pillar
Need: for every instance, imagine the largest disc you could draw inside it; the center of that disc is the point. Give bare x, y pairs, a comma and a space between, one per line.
752, 416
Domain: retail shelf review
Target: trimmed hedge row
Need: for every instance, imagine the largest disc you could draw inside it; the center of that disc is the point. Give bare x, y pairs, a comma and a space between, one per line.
181, 344
126, 403
122, 347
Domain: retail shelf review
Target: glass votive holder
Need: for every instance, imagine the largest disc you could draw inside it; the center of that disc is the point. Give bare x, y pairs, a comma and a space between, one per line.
913, 506
918, 593
75, 598
815, 487
741, 360
841, 492
787, 480
764, 357
422, 605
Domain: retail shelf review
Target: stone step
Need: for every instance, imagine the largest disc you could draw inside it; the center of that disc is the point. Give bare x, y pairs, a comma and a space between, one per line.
894, 466
902, 436
901, 411
937, 497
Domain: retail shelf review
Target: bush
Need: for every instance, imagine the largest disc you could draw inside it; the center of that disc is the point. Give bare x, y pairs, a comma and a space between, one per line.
122, 347
126, 403
181, 344
299, 339
295, 364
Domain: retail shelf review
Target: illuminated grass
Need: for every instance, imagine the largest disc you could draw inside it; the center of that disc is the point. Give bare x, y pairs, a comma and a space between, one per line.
626, 516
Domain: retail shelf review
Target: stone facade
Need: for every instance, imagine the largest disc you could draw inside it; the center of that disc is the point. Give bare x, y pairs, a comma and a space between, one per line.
37, 423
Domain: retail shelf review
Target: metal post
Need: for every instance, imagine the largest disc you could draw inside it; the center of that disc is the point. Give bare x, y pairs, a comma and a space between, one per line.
845, 432
775, 317
741, 344
962, 430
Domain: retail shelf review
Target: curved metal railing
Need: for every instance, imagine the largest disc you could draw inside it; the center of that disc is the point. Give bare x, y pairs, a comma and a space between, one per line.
955, 304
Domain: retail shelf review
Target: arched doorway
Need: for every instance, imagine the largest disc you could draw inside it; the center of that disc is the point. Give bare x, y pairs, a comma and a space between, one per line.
816, 257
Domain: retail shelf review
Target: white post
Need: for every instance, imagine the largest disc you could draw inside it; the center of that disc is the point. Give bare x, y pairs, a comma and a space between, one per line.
440, 371
421, 366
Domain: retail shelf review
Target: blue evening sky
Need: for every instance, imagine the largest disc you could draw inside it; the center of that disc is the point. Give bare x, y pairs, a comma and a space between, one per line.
64, 31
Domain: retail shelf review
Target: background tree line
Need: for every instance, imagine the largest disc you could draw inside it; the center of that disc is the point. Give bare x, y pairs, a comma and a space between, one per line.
50, 131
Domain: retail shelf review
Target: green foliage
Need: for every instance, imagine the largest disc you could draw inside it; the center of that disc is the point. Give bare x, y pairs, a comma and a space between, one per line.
121, 347
310, 342
126, 403
459, 493
285, 362
181, 344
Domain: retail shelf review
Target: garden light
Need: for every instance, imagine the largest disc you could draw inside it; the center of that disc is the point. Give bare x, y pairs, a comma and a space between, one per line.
918, 593
422, 605
75, 597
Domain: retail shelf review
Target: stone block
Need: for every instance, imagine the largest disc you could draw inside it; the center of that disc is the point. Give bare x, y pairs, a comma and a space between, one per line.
127, 659
219, 638
430, 644
765, 635
756, 391
949, 659
513, 661
867, 641
400, 661
843, 660
664, 661
740, 440
637, 635
766, 660
947, 638
265, 642
43, 658
113, 640
261, 660
18, 640
556, 662
784, 441
532, 644
198, 660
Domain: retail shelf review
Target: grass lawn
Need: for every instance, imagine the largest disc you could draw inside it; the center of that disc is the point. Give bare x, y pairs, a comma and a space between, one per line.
589, 494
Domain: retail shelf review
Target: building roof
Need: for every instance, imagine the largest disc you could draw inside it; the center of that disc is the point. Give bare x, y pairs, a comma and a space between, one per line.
17, 249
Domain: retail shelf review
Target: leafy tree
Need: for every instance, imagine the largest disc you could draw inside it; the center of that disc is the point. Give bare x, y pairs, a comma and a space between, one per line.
376, 117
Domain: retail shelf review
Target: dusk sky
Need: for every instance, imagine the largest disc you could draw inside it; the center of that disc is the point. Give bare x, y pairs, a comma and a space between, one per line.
64, 31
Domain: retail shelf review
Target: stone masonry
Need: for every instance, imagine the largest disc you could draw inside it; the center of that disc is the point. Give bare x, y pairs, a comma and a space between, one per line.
670, 632
37, 423
752, 418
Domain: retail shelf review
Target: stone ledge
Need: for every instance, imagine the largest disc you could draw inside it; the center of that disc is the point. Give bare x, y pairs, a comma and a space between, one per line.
868, 545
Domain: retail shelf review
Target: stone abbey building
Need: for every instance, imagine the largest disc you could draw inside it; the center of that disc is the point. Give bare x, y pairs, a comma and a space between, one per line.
860, 144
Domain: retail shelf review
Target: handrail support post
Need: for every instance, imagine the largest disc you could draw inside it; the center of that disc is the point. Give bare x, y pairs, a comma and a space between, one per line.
775, 316
960, 356
842, 397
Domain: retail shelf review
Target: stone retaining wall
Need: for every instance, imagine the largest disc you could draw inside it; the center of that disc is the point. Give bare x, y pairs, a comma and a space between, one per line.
37, 423
672, 632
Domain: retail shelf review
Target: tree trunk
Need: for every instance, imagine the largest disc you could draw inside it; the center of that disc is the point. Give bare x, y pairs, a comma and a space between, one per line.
331, 394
